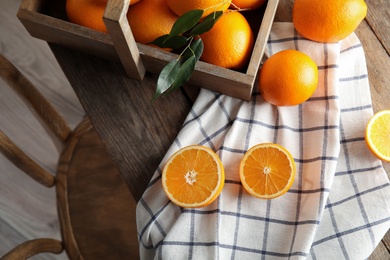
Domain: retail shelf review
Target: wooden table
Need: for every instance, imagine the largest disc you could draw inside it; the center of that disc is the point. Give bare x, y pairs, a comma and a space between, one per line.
137, 133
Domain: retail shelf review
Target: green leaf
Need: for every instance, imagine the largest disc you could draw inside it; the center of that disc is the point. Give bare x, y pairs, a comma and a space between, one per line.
166, 78
196, 48
177, 72
167, 41
186, 22
159, 41
184, 73
207, 23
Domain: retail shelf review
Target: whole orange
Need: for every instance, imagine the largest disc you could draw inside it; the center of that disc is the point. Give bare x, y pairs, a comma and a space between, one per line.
328, 21
150, 19
88, 13
288, 78
247, 4
181, 7
229, 43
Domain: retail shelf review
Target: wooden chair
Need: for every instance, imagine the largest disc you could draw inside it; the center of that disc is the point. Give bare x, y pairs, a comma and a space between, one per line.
95, 208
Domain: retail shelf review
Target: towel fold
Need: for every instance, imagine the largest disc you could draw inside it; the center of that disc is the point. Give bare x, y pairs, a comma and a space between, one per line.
338, 206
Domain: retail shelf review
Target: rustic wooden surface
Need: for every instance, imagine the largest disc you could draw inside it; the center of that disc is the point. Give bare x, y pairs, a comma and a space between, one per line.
94, 202
37, 215
144, 124
102, 229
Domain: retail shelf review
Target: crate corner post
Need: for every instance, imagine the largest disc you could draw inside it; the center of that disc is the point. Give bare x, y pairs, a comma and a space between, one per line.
119, 29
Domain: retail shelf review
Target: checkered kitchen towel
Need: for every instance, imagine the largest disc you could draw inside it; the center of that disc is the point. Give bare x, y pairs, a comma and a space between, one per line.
338, 206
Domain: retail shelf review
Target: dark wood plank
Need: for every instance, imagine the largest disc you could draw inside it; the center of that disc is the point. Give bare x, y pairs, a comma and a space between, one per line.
382, 251
119, 106
376, 57
378, 19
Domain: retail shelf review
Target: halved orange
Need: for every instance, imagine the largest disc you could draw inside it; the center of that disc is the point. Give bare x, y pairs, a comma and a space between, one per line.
267, 170
193, 177
378, 135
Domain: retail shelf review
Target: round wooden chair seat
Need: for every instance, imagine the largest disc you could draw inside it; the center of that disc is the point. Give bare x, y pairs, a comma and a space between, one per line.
96, 209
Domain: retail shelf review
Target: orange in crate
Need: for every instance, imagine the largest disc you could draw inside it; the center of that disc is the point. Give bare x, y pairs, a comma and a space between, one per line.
47, 20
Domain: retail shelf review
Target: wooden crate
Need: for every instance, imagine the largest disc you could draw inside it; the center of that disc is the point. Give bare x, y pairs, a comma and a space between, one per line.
46, 20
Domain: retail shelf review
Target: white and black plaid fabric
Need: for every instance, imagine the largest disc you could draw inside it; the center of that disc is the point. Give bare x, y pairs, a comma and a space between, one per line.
339, 204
